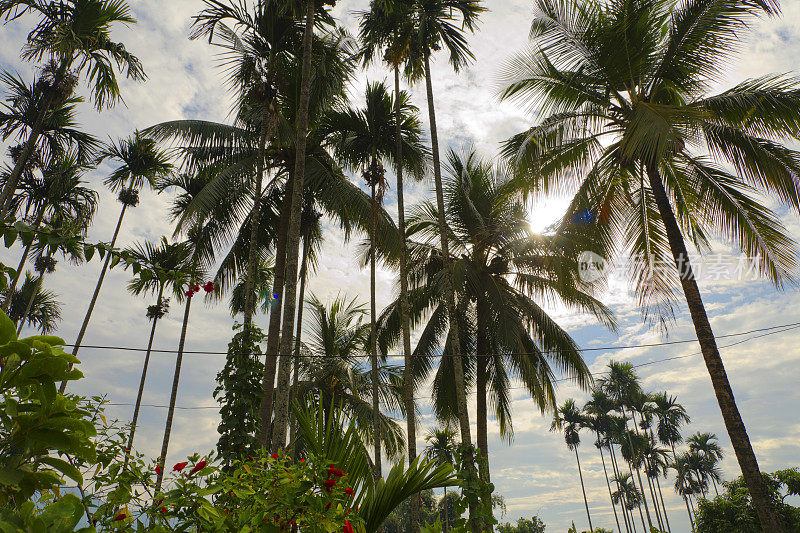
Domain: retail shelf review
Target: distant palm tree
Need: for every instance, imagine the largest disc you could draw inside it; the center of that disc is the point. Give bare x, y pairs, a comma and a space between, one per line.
627, 494
44, 313
73, 35
161, 270
635, 133
568, 419
687, 482
440, 448
707, 447
141, 164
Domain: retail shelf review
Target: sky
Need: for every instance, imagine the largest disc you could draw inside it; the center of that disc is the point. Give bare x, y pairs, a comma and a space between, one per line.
535, 473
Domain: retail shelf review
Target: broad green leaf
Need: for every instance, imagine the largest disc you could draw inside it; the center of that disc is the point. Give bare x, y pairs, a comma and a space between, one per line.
63, 467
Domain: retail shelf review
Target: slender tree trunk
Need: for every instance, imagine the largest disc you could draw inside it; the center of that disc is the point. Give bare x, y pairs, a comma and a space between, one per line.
274, 331
663, 506
616, 471
716, 369
716, 491
96, 293
408, 377
373, 336
638, 475
583, 489
455, 338
608, 483
685, 499
293, 236
298, 336
638, 505
21, 267
173, 397
139, 395
481, 414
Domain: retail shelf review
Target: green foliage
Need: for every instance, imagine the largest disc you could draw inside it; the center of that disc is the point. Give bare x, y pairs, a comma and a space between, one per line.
533, 524
399, 521
472, 487
239, 394
733, 510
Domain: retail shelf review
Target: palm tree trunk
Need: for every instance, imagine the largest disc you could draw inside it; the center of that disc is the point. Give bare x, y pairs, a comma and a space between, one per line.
173, 397
373, 337
716, 369
408, 377
28, 307
274, 331
21, 267
583, 489
293, 235
455, 339
638, 474
663, 505
616, 472
608, 483
298, 335
685, 499
96, 293
139, 395
715, 486
481, 414
654, 499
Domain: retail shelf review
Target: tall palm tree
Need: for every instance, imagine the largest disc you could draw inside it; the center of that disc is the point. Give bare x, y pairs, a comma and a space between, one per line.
44, 313
440, 448
627, 493
363, 139
687, 482
707, 447
387, 26
634, 127
568, 418
331, 375
670, 417
142, 163
162, 269
75, 36
57, 193
440, 24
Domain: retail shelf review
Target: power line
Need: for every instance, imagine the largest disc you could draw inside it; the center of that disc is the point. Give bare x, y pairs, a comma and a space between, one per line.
595, 349
780, 329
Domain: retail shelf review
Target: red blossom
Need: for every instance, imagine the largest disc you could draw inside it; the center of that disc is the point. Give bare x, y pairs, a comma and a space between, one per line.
179, 466
303, 460
349, 491
334, 472
347, 528
158, 469
209, 286
163, 510
250, 457
198, 467
329, 484
120, 516
196, 287
275, 455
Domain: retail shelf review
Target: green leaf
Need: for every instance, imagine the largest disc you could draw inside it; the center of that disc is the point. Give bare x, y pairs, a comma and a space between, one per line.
88, 252
63, 467
114, 261
8, 332
9, 236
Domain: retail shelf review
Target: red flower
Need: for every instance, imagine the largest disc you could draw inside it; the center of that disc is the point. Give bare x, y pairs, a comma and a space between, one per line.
275, 455
178, 467
334, 472
209, 287
158, 469
329, 484
188, 294
198, 467
250, 457
119, 517
163, 510
347, 528
349, 491
303, 460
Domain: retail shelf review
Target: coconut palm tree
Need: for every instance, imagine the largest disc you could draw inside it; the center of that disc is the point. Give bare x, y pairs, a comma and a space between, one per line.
636, 132
386, 27
363, 139
57, 193
439, 24
142, 163
44, 313
331, 375
161, 269
440, 448
75, 37
568, 418
707, 447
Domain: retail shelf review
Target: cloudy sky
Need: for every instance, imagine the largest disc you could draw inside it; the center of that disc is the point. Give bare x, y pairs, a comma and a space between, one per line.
535, 473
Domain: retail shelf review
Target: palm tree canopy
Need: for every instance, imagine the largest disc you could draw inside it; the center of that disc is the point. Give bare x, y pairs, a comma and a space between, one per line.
625, 83
671, 416
45, 310
77, 34
163, 265
141, 162
441, 445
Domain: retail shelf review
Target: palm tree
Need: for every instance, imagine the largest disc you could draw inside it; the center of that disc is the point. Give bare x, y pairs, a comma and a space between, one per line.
441, 444
75, 36
142, 163
707, 447
363, 139
331, 375
687, 483
386, 25
501, 270
568, 418
670, 417
44, 313
436, 25
58, 193
161, 269
627, 494
634, 128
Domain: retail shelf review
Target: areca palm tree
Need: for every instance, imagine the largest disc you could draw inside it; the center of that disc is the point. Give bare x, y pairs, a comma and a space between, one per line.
75, 37
568, 419
363, 139
636, 133
670, 417
44, 313
162, 269
331, 375
627, 493
142, 163
440, 448
707, 447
